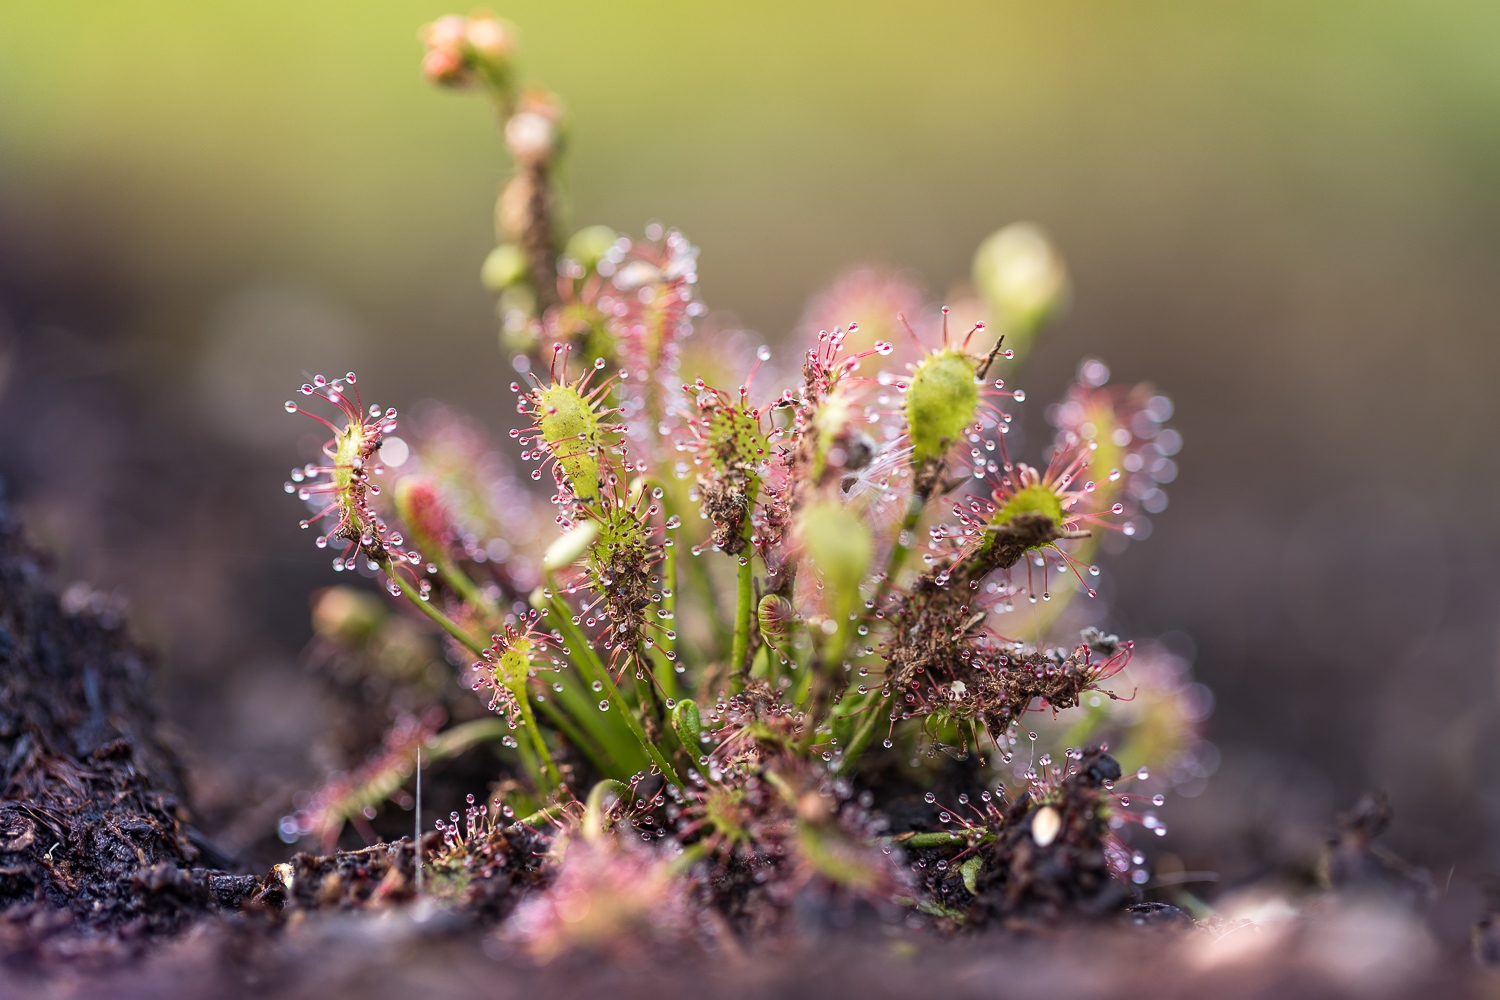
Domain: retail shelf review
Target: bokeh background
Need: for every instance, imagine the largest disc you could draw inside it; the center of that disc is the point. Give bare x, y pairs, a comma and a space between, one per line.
1285, 214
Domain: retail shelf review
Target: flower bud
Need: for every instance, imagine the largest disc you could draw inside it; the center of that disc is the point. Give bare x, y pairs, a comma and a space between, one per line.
530, 137
347, 616
940, 403
589, 245
444, 62
491, 40
505, 266
446, 32
1023, 279
838, 542
570, 547
422, 510
445, 66
688, 724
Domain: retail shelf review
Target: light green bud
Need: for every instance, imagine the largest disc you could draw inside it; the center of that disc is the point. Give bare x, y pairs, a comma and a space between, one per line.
589, 245
570, 547
505, 266
838, 542
776, 615
1023, 280
346, 615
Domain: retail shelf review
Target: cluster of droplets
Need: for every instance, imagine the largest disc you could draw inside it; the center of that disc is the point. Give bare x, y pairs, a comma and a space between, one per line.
1047, 783
480, 822
569, 430
511, 663
1127, 424
343, 485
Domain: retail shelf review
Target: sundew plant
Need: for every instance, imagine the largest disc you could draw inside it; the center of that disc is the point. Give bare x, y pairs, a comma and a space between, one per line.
812, 639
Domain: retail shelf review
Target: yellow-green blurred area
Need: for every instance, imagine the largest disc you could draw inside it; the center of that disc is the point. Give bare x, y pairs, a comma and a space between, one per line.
1286, 214
1166, 146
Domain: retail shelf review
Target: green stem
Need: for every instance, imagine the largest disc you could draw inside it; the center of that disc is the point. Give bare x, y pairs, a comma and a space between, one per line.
669, 606
743, 613
708, 591
466, 588
589, 666
864, 733
473, 644
938, 839
900, 550
640, 734
543, 754
529, 760
589, 659
583, 741
448, 624
876, 701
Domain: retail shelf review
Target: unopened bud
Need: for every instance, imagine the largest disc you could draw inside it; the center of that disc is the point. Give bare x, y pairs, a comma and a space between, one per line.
446, 32
589, 245
444, 62
421, 507
530, 137
444, 66
1023, 279
346, 615
491, 39
838, 542
504, 267
570, 547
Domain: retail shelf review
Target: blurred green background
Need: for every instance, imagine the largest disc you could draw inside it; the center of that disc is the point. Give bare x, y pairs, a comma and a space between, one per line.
1286, 214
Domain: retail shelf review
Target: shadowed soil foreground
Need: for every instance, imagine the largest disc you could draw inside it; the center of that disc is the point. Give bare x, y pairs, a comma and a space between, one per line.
107, 891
